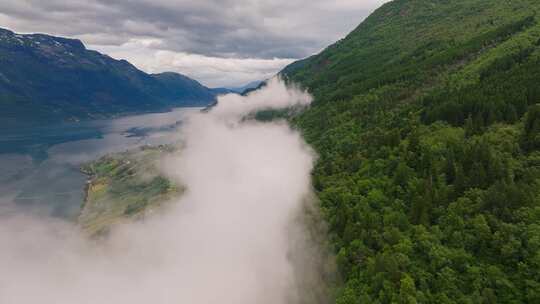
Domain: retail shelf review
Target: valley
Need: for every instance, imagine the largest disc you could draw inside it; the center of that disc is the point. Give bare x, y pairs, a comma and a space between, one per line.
409, 150
41, 165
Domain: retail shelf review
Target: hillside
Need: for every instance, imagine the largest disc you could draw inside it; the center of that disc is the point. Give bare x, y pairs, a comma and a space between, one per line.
427, 123
45, 78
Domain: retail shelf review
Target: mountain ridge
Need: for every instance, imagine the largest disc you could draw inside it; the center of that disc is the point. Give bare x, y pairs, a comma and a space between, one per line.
45, 78
426, 120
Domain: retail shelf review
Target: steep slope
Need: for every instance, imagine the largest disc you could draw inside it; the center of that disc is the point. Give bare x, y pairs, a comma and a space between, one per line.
180, 88
46, 78
427, 123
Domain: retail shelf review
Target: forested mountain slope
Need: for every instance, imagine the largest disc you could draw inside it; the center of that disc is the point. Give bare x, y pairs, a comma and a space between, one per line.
46, 78
427, 123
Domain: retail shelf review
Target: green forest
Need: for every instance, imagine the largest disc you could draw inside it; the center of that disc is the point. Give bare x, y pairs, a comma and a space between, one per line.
426, 120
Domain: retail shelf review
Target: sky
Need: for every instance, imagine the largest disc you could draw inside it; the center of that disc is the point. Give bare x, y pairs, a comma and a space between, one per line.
221, 43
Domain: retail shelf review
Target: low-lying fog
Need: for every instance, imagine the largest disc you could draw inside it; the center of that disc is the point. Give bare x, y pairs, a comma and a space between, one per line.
41, 165
233, 237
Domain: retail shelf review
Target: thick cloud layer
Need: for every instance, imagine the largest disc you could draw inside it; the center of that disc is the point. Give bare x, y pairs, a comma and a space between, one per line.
227, 240
240, 29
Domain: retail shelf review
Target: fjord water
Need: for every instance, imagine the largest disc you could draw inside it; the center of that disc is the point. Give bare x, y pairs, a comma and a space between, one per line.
41, 164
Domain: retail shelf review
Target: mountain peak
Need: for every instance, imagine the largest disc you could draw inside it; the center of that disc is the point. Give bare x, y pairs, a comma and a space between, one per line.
43, 40
56, 78
4, 32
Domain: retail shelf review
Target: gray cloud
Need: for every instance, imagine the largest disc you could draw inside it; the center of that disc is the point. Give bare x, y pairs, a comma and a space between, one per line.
239, 29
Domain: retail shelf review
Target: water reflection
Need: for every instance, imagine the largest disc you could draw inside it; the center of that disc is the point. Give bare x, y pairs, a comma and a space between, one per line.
40, 166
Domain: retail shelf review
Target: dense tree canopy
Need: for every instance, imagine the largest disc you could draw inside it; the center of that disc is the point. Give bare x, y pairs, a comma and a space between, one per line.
427, 123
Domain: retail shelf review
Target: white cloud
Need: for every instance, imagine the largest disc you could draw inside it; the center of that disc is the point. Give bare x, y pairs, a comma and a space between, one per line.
228, 240
239, 29
211, 71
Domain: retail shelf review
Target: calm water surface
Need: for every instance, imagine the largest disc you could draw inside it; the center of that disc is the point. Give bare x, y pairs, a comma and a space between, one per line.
39, 166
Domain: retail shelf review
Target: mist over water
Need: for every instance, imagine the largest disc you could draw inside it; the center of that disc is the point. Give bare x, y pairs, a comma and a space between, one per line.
42, 173
228, 239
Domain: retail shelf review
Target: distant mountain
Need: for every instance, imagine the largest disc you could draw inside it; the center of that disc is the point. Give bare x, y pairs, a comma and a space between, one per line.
238, 90
250, 86
45, 78
247, 90
221, 91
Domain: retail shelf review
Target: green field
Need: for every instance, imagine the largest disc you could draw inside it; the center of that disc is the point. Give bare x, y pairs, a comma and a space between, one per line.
125, 186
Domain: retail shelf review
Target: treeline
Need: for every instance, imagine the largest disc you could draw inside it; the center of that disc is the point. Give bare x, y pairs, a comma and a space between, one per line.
429, 173
505, 91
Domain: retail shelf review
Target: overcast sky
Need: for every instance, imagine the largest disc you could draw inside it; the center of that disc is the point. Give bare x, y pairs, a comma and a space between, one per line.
218, 42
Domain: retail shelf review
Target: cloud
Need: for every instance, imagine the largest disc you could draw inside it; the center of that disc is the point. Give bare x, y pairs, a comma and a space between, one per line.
229, 239
212, 71
239, 29
274, 95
